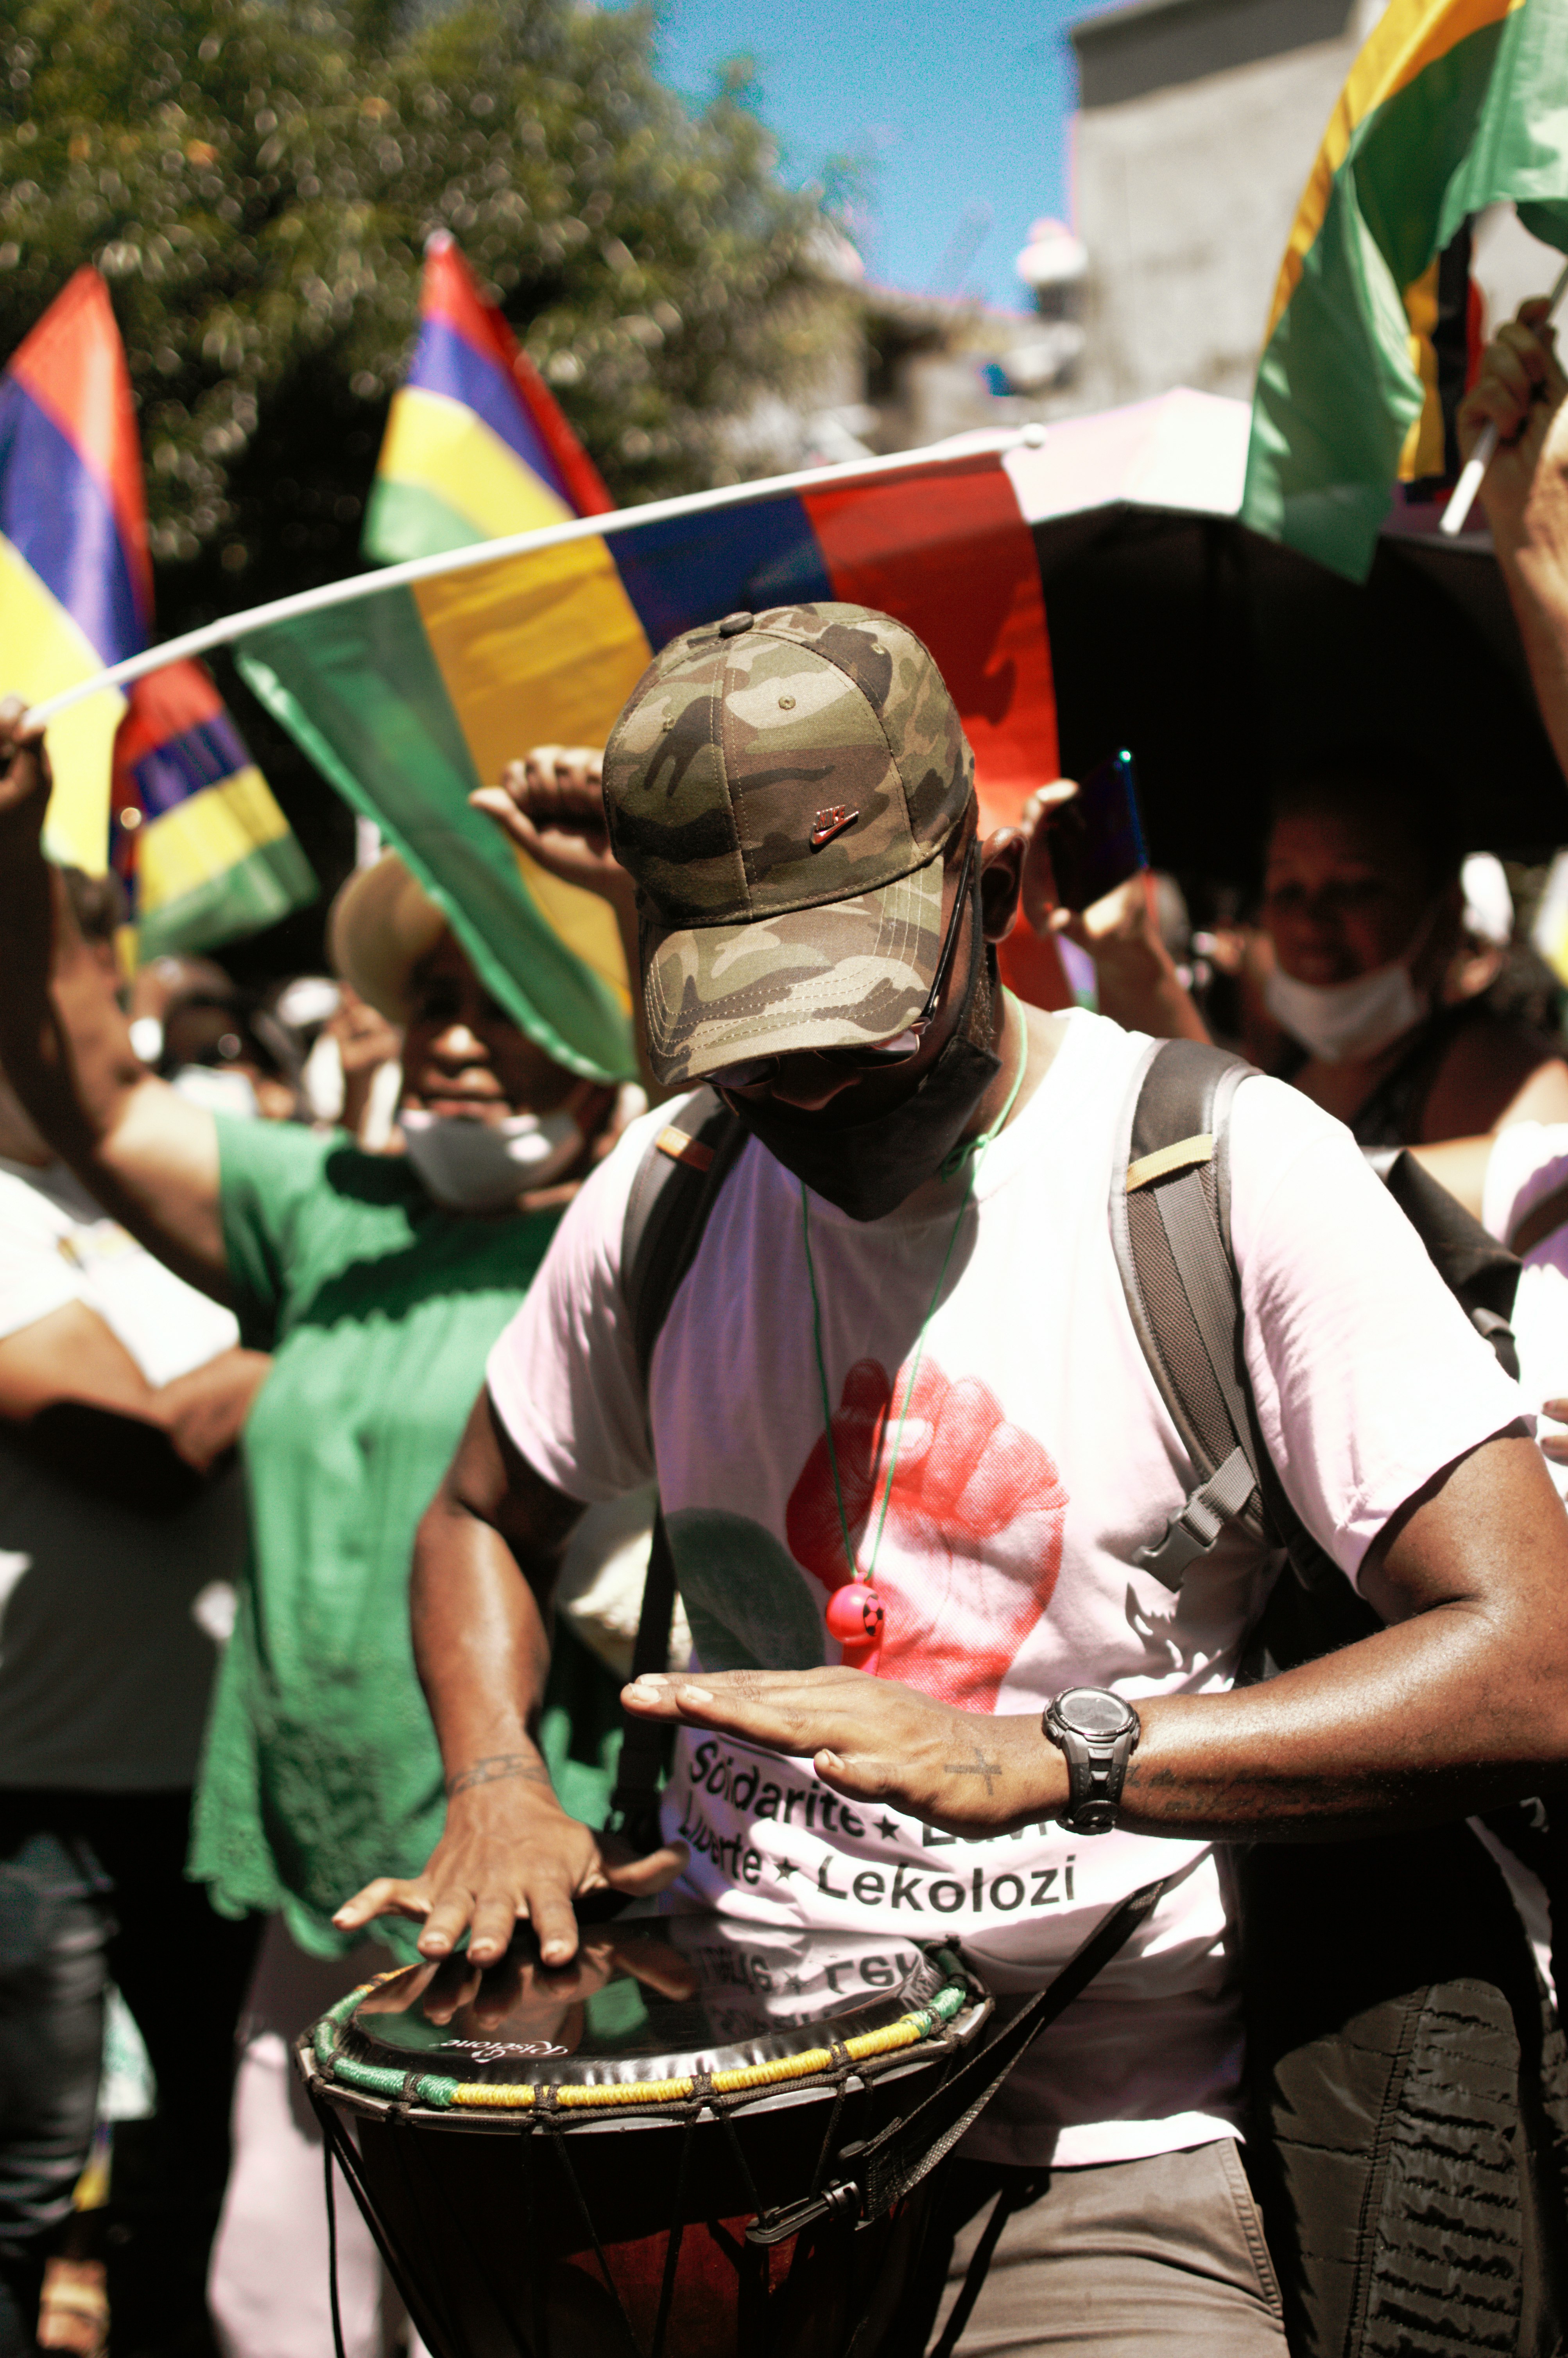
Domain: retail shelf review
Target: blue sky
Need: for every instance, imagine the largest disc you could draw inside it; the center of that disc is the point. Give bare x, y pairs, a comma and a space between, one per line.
958, 110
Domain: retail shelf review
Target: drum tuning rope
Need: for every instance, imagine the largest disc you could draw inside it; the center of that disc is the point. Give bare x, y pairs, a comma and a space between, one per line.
440, 2091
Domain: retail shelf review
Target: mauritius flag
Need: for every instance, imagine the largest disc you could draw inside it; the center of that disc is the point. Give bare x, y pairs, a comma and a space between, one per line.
160, 782
475, 444
409, 698
1451, 106
476, 449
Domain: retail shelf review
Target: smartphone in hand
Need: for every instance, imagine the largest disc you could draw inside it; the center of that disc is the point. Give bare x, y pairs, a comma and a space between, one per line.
1097, 840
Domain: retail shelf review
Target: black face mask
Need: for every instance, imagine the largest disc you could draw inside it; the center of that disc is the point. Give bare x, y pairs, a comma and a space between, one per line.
870, 1168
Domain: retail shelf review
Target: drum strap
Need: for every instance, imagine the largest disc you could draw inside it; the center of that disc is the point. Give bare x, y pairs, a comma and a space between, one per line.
879, 2173
634, 1804
675, 1190
328, 2158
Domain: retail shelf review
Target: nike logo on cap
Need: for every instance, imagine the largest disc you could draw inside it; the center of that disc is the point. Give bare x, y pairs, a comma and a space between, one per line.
830, 823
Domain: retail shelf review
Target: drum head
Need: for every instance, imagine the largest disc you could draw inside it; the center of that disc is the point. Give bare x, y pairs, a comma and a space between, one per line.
742, 2061
651, 2002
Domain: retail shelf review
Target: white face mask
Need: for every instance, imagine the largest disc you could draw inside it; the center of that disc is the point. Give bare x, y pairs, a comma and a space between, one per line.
1337, 1021
480, 1166
217, 1090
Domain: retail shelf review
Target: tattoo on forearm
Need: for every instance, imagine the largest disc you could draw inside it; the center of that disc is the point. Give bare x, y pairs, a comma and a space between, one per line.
978, 1766
496, 1766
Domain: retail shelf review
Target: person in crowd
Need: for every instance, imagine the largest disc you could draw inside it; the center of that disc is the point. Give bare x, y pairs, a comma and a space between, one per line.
222, 1049
155, 985
1126, 935
122, 1534
378, 1282
902, 1358
1365, 968
351, 1078
154, 988
1363, 905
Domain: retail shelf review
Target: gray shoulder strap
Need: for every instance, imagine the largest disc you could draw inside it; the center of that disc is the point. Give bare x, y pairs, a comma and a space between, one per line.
1170, 1219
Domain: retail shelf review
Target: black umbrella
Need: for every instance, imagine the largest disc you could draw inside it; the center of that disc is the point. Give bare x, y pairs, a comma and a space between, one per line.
1217, 656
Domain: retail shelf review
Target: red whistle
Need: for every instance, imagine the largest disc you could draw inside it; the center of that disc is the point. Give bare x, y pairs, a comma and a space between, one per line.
854, 1614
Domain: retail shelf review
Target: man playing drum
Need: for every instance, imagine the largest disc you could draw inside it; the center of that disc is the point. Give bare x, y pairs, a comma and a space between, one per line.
909, 1447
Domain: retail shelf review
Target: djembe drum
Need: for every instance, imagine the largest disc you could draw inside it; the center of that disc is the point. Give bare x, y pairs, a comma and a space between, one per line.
656, 2152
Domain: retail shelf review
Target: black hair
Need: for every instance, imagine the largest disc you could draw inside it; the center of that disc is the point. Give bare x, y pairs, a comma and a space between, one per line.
1381, 782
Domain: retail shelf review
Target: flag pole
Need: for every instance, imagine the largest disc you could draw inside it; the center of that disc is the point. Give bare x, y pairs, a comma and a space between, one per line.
1452, 521
519, 544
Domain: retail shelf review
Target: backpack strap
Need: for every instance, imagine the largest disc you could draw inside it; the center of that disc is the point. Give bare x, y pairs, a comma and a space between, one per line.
677, 1186
1170, 1218
1170, 1221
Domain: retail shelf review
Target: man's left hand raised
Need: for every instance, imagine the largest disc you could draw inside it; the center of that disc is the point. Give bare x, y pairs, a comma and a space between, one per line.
551, 806
966, 1772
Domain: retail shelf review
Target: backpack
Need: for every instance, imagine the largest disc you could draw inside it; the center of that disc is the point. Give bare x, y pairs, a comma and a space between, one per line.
1407, 2079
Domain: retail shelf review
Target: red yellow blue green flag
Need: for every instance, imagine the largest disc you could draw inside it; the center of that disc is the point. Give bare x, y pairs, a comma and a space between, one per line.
1450, 106
75, 580
410, 698
158, 783
476, 445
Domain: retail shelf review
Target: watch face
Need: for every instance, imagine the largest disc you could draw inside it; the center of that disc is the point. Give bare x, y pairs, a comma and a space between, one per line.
1093, 1714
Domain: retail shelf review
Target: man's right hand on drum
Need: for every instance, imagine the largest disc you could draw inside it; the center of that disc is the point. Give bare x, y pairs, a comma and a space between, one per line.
442, 1987
509, 1853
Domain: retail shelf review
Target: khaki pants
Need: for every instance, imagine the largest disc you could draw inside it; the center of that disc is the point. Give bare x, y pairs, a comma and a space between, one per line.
1122, 2259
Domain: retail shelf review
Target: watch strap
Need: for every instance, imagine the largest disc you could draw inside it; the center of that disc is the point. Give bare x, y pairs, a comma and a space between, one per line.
1097, 1771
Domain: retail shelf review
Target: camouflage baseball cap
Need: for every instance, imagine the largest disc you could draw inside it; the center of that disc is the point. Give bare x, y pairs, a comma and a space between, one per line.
782, 786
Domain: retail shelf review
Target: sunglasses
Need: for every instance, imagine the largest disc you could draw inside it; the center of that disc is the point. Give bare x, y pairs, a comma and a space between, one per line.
873, 1055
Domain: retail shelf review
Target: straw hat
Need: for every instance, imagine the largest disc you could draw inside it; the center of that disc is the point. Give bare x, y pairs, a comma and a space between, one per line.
380, 926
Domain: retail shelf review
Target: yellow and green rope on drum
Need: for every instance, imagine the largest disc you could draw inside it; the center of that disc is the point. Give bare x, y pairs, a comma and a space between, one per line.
442, 2092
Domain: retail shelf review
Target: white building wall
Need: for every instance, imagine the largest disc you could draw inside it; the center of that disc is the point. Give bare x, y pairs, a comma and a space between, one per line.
1185, 192
1185, 200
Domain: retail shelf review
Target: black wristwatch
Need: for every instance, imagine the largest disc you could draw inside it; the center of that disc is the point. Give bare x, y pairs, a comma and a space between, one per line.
1098, 1733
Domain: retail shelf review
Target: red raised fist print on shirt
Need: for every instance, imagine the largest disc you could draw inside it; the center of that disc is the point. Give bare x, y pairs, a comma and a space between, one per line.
957, 1609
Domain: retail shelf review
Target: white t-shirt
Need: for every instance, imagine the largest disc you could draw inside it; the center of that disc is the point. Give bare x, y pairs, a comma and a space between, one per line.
107, 1654
1036, 1459
1529, 1161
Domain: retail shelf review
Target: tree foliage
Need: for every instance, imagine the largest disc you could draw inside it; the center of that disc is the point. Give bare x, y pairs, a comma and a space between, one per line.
258, 177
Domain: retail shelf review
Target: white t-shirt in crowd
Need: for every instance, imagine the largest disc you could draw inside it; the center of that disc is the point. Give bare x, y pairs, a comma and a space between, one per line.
1529, 1161
1036, 1459
107, 1616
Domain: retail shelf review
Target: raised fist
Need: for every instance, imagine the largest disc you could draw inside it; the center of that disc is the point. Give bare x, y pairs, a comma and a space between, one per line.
957, 1606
